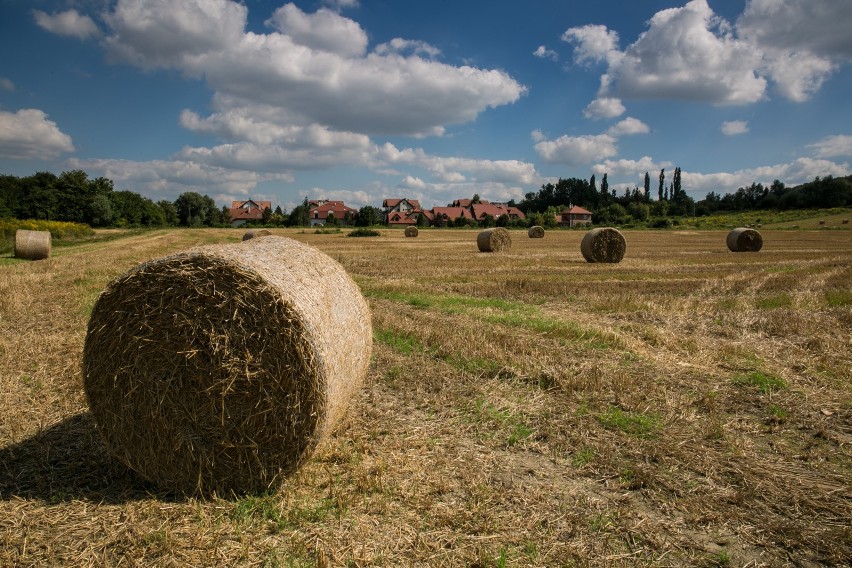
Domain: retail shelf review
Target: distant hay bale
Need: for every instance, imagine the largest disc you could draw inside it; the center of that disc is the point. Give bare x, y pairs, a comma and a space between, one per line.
822, 221
254, 233
536, 232
845, 221
603, 244
32, 245
222, 368
411, 231
744, 240
497, 239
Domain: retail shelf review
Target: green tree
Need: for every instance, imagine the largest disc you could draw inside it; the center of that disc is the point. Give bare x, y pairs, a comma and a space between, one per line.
195, 210
604, 184
331, 219
475, 199
662, 184
99, 212
422, 221
300, 215
170, 213
647, 187
267, 216
368, 216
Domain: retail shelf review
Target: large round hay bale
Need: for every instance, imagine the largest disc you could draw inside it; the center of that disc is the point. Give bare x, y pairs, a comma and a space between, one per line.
254, 233
221, 368
496, 239
744, 239
32, 245
604, 244
536, 232
411, 231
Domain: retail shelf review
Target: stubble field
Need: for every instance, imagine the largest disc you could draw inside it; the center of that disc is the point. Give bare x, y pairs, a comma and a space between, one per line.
688, 406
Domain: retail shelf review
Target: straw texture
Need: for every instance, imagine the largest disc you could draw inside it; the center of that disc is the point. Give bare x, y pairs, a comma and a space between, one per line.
32, 245
536, 232
494, 240
222, 368
744, 240
411, 231
603, 244
253, 233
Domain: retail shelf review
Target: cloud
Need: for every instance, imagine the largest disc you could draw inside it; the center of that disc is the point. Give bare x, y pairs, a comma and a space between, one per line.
399, 46
604, 107
634, 168
628, 126
313, 69
323, 30
29, 134
6, 84
355, 199
687, 53
734, 127
576, 150
593, 44
166, 179
341, 4
162, 33
796, 172
839, 145
545, 53
691, 53
68, 23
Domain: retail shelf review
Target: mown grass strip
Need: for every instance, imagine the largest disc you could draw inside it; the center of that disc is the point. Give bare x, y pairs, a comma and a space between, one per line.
497, 311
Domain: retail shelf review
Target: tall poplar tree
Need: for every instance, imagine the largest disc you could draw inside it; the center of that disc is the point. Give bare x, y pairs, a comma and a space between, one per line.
662, 184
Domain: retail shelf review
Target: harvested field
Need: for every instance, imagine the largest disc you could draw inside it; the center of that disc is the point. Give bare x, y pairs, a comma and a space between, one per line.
687, 406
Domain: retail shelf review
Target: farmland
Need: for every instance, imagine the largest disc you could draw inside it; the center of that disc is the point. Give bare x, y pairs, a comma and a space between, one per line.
687, 406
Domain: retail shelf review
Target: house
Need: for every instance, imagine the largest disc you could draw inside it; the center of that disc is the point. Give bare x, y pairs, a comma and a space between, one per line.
574, 216
440, 215
403, 205
465, 202
480, 210
402, 218
250, 210
320, 209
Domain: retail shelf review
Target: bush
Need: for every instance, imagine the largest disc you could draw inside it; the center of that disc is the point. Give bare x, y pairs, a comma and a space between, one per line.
364, 233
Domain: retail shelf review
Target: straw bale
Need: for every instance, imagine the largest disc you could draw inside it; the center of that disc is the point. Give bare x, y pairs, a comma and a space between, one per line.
604, 244
221, 368
822, 221
254, 233
536, 232
744, 239
845, 221
32, 245
496, 239
411, 231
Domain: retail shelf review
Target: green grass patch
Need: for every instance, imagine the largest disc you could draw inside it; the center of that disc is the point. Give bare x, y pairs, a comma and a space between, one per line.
582, 457
399, 341
774, 302
500, 420
633, 423
763, 381
838, 298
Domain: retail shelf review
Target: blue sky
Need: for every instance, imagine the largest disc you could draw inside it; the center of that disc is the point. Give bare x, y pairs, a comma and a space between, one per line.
362, 100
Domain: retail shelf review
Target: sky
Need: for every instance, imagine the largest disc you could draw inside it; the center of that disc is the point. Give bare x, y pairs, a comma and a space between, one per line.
362, 100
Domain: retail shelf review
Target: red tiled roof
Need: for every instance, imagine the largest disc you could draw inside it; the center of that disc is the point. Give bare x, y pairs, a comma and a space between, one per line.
466, 202
403, 218
480, 210
248, 210
576, 210
391, 203
338, 208
452, 213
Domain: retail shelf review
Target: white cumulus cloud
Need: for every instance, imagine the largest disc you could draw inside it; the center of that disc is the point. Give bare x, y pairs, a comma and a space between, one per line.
604, 107
593, 44
734, 127
323, 30
68, 23
576, 150
839, 145
29, 134
628, 126
546, 53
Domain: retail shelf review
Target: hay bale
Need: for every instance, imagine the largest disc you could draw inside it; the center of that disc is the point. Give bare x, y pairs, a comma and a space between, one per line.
744, 240
32, 245
222, 368
845, 221
411, 231
822, 221
604, 244
254, 233
536, 232
496, 239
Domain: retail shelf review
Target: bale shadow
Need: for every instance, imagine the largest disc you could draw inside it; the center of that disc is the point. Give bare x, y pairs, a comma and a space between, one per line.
68, 462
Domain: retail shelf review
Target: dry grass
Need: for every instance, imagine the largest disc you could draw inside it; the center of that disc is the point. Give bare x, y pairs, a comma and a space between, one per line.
687, 406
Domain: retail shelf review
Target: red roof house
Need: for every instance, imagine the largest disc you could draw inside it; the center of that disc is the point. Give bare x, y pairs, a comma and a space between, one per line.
480, 210
319, 213
249, 210
574, 216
